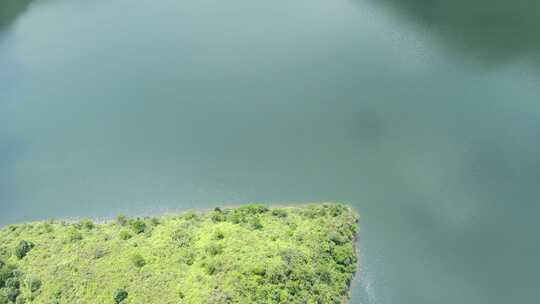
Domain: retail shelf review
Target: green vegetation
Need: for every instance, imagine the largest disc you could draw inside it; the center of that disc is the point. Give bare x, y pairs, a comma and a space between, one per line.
250, 254
23, 248
120, 295
138, 226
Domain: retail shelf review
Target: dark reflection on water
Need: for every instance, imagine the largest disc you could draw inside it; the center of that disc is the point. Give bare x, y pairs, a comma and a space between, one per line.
490, 30
10, 10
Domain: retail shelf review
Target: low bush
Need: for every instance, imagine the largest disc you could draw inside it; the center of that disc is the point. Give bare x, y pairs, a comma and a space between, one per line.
47, 228
218, 235
12, 294
187, 257
190, 216
33, 283
23, 248
254, 209
259, 270
214, 249
154, 221
245, 213
6, 273
13, 283
344, 255
74, 235
181, 238
124, 235
211, 267
219, 297
120, 295
335, 209
218, 216
255, 223
138, 226
336, 238
121, 220
87, 224
293, 257
279, 213
138, 260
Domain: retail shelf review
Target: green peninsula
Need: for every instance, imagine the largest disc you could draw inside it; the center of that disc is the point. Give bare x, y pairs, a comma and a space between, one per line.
249, 254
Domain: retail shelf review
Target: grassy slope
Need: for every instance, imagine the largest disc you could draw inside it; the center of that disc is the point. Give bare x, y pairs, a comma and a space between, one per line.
250, 254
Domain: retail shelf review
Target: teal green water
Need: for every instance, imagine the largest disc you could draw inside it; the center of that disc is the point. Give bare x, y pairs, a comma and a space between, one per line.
424, 115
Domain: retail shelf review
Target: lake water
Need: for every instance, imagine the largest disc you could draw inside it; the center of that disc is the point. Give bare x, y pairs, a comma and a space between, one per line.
424, 115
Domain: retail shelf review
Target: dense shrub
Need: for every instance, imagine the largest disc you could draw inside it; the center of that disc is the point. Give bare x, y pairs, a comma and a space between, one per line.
293, 257
138, 226
255, 223
190, 216
121, 220
33, 283
336, 238
246, 213
211, 267
74, 235
259, 270
218, 216
279, 213
120, 295
254, 209
17, 273
276, 274
124, 235
13, 282
47, 228
87, 224
348, 230
154, 221
23, 248
181, 238
6, 273
335, 209
138, 260
234, 217
218, 235
219, 297
187, 257
12, 294
214, 249
325, 274
344, 255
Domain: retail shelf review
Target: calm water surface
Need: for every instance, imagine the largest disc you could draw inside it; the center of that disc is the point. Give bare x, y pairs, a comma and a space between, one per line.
424, 115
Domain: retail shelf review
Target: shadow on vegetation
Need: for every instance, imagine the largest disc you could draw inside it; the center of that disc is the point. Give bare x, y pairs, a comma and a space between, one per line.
490, 30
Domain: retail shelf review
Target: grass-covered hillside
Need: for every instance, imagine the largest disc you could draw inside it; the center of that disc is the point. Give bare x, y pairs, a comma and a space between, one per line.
250, 254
